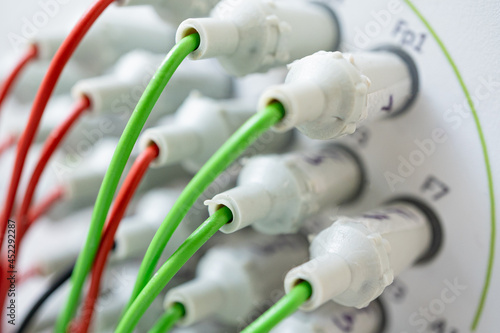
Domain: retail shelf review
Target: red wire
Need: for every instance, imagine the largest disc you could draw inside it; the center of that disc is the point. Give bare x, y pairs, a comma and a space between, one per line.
53, 141
11, 79
123, 198
7, 143
41, 209
42, 97
27, 217
30, 273
34, 214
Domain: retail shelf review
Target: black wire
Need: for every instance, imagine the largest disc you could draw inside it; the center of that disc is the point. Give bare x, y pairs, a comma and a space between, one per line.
44, 297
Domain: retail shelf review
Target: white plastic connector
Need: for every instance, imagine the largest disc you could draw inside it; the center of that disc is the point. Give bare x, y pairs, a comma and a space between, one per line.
276, 193
230, 281
117, 287
17, 117
334, 318
57, 260
254, 36
206, 327
46, 183
355, 259
252, 86
83, 182
329, 94
119, 92
130, 76
29, 82
199, 128
81, 178
136, 232
176, 11
49, 257
133, 236
111, 38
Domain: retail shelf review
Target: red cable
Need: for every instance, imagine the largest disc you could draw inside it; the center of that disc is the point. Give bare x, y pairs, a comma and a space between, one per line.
7, 143
29, 274
34, 214
11, 79
42, 97
41, 209
123, 198
51, 144
27, 216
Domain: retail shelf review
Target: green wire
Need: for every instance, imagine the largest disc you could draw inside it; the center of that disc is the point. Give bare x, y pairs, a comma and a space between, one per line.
192, 244
229, 152
169, 319
122, 153
282, 309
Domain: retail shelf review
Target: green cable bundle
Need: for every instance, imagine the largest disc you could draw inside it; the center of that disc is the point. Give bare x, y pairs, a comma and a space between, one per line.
122, 153
146, 288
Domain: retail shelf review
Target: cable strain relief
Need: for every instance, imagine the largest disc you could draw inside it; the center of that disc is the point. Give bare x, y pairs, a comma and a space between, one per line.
46, 46
210, 31
295, 98
100, 92
132, 238
200, 297
248, 204
329, 276
175, 143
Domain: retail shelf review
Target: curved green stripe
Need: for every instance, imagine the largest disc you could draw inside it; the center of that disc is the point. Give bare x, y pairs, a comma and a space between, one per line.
489, 173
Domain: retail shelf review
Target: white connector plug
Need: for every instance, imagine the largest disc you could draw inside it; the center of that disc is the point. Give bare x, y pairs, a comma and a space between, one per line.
16, 118
29, 81
334, 318
275, 194
109, 39
119, 92
136, 232
81, 176
199, 128
355, 259
81, 183
175, 11
329, 94
117, 285
48, 256
231, 279
132, 237
254, 36
206, 327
